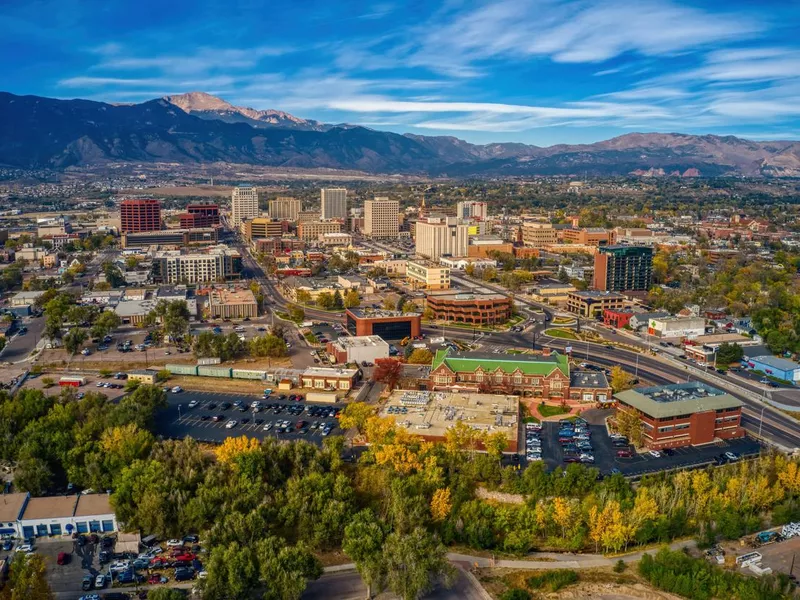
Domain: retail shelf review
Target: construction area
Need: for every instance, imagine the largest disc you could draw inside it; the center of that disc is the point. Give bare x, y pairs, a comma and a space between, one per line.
431, 414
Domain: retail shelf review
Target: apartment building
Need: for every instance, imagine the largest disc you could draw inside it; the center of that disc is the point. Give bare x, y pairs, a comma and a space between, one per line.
537, 235
333, 203
623, 268
306, 216
284, 208
140, 214
438, 236
217, 264
312, 230
381, 218
424, 276
244, 204
232, 304
170, 237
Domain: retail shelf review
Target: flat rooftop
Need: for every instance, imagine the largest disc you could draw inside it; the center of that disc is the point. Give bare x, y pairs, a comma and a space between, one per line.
90, 505
360, 341
468, 297
379, 313
431, 414
51, 507
588, 379
11, 506
597, 295
677, 399
326, 372
226, 296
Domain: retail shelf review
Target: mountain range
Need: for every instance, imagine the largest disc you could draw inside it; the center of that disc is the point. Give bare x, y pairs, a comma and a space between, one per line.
38, 132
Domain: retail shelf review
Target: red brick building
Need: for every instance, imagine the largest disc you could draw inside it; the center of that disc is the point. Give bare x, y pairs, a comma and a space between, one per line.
617, 318
200, 215
389, 324
140, 214
683, 414
277, 245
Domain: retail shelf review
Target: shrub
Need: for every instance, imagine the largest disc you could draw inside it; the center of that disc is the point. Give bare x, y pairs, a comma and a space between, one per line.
47, 382
553, 580
515, 594
620, 566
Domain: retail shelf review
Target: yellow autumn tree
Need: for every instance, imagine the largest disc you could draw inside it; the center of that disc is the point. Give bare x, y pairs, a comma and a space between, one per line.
597, 526
615, 533
356, 415
441, 504
235, 446
789, 477
379, 430
495, 444
563, 515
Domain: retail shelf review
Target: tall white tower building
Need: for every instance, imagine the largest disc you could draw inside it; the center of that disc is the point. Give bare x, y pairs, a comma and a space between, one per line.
334, 203
381, 218
244, 204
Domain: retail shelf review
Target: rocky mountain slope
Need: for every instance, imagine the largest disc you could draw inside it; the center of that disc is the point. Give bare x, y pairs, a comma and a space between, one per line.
38, 132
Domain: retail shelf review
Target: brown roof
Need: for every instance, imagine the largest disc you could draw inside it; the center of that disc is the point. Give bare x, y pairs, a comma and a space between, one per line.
90, 505
11, 506
50, 507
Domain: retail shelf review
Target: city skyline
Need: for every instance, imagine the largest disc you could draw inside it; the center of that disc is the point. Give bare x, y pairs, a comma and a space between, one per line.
537, 71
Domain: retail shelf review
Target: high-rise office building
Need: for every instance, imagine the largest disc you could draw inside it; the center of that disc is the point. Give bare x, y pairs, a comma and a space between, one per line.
334, 203
200, 215
284, 209
471, 209
438, 236
381, 218
140, 214
623, 268
244, 204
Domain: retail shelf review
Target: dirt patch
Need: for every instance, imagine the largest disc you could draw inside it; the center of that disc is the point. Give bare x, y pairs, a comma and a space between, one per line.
594, 584
485, 494
200, 190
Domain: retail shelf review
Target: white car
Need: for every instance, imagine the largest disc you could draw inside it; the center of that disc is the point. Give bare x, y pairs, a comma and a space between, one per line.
193, 403
25, 548
731, 456
267, 426
177, 389
655, 453
122, 565
231, 424
174, 543
100, 581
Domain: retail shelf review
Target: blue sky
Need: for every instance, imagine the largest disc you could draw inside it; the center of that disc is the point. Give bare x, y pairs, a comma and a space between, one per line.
535, 71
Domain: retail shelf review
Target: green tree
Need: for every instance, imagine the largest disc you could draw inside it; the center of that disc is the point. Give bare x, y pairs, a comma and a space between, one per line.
165, 593
74, 339
268, 345
27, 580
297, 314
363, 543
325, 301
414, 562
105, 323
338, 301
420, 356
113, 274
729, 353
352, 299
303, 297
286, 569
621, 380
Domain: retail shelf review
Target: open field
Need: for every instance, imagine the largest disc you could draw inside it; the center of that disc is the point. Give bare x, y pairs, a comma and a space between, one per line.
217, 191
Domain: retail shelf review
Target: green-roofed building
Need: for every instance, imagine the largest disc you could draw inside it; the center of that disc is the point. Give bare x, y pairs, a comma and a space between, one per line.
545, 376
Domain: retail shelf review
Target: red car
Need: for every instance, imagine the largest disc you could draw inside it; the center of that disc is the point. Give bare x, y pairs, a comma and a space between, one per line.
155, 578
188, 557
624, 453
159, 561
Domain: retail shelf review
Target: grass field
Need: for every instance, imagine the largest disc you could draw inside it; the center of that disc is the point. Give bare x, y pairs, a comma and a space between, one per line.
565, 334
547, 410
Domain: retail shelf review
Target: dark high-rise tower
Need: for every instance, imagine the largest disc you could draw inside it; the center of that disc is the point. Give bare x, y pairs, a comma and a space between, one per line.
623, 268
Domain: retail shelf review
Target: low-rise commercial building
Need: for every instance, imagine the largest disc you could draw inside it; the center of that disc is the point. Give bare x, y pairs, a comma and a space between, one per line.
552, 291
277, 245
589, 236
65, 515
427, 276
617, 318
592, 304
232, 304
321, 378
476, 309
481, 246
336, 239
170, 237
143, 376
357, 349
430, 414
388, 324
677, 327
781, 368
683, 414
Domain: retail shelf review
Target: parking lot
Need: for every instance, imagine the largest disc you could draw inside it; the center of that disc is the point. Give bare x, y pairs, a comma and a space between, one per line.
65, 580
605, 458
178, 420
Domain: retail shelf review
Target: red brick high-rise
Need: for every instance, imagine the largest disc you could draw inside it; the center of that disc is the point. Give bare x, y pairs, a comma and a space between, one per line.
200, 215
140, 214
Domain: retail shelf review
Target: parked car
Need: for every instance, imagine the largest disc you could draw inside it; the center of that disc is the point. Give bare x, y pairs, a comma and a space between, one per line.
87, 583
174, 543
624, 454
732, 456
655, 453
155, 579
184, 574
100, 581
7, 545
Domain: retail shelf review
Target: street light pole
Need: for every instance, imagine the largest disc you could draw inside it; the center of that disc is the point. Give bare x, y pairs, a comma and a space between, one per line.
761, 421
